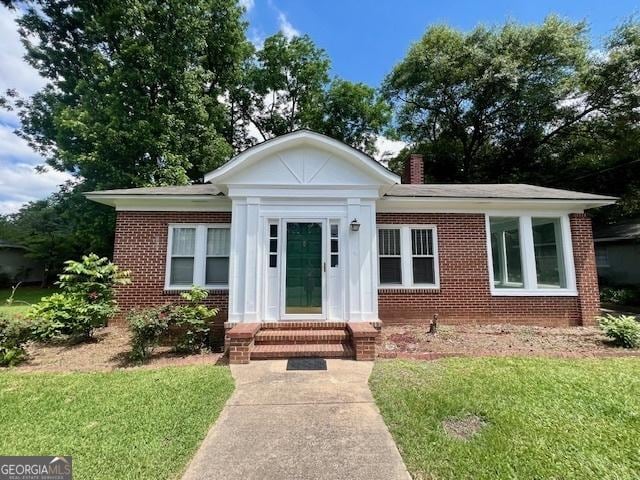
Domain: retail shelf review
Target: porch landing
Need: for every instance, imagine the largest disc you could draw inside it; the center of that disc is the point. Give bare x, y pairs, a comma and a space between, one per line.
272, 340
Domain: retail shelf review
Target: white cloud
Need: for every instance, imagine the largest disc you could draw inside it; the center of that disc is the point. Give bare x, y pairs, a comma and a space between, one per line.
288, 30
19, 181
247, 4
387, 148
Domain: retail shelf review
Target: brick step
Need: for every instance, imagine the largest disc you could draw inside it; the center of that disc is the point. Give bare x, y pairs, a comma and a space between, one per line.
275, 336
286, 325
336, 350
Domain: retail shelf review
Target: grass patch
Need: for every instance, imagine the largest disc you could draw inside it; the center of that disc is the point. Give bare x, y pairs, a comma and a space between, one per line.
24, 297
134, 424
544, 418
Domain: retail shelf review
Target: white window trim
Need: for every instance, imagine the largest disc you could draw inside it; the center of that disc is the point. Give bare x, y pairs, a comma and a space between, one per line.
200, 256
406, 258
528, 257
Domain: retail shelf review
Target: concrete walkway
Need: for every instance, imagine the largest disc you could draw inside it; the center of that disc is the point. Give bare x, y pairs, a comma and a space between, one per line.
299, 425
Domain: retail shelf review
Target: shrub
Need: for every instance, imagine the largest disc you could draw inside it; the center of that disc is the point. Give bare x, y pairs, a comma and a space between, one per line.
14, 333
62, 314
85, 302
147, 327
192, 321
624, 330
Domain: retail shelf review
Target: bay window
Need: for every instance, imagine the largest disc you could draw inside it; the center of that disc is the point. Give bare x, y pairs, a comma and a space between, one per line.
198, 255
530, 255
407, 256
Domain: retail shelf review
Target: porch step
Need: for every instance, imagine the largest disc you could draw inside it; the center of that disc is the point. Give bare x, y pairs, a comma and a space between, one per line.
297, 337
303, 325
333, 350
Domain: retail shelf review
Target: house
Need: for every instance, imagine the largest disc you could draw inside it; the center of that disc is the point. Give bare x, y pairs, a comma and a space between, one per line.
308, 246
618, 253
15, 266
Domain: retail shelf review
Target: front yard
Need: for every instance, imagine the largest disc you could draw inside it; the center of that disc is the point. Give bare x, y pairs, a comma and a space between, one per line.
24, 297
128, 424
532, 418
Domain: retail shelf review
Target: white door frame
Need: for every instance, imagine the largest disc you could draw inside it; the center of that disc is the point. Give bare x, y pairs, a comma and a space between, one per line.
283, 271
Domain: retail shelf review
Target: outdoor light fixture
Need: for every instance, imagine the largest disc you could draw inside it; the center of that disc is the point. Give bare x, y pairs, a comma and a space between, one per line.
355, 225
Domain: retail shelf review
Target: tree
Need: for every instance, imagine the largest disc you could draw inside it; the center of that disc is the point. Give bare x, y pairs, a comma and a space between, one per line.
286, 86
132, 98
517, 103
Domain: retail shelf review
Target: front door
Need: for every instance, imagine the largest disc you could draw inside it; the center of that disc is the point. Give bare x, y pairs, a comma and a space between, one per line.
304, 270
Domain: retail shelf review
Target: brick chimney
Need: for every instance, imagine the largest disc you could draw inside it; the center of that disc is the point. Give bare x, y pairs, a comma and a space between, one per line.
413, 169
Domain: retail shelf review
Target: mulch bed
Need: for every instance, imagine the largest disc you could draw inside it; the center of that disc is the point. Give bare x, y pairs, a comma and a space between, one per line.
108, 351
414, 342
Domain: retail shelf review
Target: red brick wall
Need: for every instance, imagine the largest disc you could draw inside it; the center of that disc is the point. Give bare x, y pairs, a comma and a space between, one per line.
141, 247
413, 171
464, 295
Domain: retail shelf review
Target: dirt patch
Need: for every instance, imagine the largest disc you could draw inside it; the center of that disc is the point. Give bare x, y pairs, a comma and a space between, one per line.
463, 428
108, 351
411, 341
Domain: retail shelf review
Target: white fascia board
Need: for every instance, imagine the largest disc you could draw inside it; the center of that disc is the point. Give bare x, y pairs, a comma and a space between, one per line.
159, 203
482, 205
304, 191
295, 139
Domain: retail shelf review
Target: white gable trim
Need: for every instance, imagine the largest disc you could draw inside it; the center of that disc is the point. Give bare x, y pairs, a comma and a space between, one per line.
302, 138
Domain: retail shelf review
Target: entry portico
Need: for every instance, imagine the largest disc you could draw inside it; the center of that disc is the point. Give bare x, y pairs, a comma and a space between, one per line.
303, 231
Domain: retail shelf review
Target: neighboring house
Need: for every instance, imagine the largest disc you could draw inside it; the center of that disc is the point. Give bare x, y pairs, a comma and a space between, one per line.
303, 230
618, 253
15, 266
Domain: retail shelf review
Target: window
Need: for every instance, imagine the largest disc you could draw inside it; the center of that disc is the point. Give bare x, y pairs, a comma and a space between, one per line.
390, 256
506, 252
423, 258
217, 268
602, 256
334, 245
530, 255
408, 256
273, 245
198, 255
183, 247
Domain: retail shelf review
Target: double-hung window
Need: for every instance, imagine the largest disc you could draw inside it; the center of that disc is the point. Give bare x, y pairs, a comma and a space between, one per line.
198, 254
407, 256
530, 255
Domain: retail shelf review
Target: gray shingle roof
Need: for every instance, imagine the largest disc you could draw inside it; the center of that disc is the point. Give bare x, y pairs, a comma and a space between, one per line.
624, 231
199, 189
498, 190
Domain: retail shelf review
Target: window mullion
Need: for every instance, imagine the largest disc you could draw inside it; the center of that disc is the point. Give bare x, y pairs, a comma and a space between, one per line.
200, 255
528, 257
406, 253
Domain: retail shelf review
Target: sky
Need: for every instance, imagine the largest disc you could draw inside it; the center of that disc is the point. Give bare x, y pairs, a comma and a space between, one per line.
364, 40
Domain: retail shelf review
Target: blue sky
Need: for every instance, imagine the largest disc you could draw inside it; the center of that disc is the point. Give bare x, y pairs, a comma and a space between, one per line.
364, 40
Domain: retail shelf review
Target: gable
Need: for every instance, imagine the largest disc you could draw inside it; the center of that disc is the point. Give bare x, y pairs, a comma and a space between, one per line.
302, 158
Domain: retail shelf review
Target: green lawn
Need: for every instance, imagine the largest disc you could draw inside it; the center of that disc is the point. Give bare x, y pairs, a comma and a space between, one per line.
569, 419
133, 424
23, 298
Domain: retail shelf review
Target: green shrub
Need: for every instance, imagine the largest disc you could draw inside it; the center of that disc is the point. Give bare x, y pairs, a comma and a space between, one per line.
147, 327
14, 333
68, 314
624, 330
85, 302
192, 321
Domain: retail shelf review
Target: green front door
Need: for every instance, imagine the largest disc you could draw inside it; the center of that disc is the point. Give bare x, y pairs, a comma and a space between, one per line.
303, 294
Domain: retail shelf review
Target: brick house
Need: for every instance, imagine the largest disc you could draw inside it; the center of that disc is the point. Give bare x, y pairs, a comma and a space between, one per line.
308, 246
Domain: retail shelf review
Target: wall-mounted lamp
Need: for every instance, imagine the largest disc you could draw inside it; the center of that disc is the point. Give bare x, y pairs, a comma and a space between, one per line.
355, 225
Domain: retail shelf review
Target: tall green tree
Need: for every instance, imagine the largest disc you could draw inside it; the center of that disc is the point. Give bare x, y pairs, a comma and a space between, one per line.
286, 86
518, 103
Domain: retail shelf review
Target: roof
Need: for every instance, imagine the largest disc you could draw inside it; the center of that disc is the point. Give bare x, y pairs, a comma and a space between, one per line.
493, 191
5, 244
629, 230
182, 190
